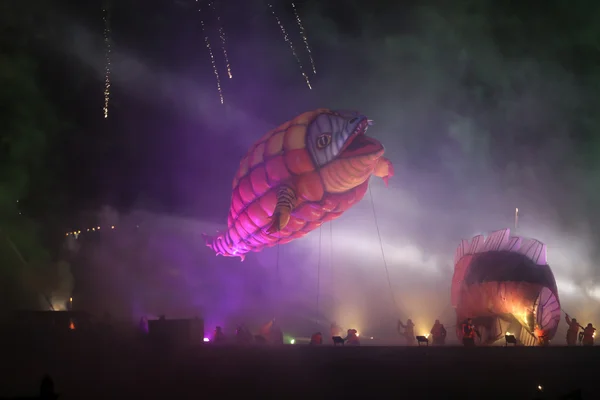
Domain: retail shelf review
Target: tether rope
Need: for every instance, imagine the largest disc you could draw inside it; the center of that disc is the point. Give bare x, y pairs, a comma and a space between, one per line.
277, 259
319, 275
331, 262
278, 276
387, 272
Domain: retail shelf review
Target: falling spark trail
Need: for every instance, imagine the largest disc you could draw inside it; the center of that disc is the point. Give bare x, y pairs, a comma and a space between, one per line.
212, 58
289, 42
304, 38
223, 41
107, 51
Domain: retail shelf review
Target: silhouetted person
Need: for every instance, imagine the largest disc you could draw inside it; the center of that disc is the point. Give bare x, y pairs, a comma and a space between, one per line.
316, 339
542, 336
588, 335
572, 331
47, 389
243, 335
468, 333
409, 331
438, 333
352, 338
219, 336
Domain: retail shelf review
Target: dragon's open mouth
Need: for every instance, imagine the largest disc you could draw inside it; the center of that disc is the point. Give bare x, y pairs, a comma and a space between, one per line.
360, 144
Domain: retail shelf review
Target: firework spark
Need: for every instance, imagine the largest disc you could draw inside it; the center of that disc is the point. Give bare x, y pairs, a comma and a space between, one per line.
304, 38
107, 52
212, 57
223, 40
289, 42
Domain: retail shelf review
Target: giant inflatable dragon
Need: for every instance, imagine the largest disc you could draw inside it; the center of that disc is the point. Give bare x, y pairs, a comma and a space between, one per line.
296, 177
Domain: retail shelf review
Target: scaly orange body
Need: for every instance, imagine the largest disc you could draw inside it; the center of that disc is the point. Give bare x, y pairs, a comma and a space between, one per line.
303, 173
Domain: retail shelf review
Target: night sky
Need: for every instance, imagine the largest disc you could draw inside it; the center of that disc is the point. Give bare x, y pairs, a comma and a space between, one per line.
483, 106
155, 145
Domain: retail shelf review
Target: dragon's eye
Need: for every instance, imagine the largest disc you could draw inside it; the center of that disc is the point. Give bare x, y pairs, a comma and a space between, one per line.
353, 120
324, 140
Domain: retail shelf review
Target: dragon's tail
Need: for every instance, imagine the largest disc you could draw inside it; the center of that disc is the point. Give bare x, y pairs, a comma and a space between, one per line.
220, 246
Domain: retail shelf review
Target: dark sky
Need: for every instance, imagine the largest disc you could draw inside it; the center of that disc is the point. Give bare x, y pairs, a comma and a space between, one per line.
150, 148
485, 97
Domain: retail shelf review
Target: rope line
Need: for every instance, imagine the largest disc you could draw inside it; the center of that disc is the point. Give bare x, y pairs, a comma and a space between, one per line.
319, 275
387, 272
331, 262
275, 307
277, 260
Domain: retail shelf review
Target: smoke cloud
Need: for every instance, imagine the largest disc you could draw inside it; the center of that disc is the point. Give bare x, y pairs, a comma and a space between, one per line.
473, 134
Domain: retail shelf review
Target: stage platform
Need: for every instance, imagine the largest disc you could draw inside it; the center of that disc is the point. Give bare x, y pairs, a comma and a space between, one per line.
109, 369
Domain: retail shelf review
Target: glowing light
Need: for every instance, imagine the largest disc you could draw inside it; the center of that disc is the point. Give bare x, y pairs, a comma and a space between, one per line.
58, 306
509, 334
206, 340
303, 34
107, 51
426, 336
357, 334
223, 41
289, 42
594, 334
522, 316
540, 388
293, 341
212, 57
78, 232
371, 337
70, 299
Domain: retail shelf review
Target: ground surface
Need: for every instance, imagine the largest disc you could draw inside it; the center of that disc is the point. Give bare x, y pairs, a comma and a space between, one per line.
109, 369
